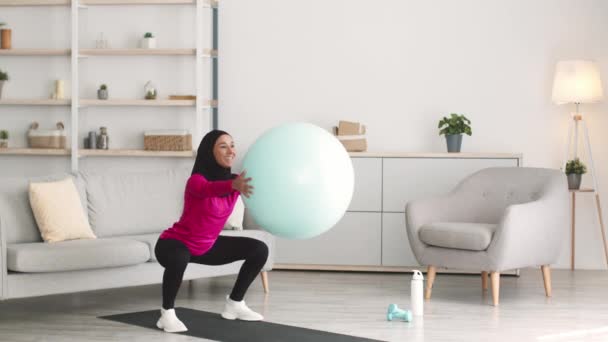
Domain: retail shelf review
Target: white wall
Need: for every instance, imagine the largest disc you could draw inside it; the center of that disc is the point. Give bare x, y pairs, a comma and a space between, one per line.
398, 66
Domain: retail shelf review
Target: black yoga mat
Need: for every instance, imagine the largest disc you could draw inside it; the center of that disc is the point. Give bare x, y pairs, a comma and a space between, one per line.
213, 327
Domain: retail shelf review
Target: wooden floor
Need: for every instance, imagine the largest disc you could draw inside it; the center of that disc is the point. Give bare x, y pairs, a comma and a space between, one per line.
350, 303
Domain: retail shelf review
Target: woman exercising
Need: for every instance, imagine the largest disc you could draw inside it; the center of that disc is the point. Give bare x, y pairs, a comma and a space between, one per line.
210, 196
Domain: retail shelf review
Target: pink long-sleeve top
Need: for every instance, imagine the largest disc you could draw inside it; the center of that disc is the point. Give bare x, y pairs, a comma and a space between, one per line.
207, 206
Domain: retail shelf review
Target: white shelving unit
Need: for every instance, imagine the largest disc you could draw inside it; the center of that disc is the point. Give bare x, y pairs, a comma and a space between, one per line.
200, 52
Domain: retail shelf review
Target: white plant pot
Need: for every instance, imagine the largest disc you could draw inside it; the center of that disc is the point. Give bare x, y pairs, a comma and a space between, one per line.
148, 43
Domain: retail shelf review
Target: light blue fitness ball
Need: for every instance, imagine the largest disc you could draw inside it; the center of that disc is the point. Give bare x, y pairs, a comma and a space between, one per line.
303, 180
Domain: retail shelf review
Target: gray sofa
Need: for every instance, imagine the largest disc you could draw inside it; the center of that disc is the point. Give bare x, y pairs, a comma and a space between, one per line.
127, 212
495, 220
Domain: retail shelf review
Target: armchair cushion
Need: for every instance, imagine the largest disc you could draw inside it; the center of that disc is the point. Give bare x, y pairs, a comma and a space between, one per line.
458, 235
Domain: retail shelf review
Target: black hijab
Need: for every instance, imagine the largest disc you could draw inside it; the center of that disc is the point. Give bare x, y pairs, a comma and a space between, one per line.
206, 164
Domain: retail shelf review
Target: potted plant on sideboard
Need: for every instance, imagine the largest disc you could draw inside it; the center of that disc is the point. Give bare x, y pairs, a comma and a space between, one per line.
3, 138
3, 78
453, 128
575, 170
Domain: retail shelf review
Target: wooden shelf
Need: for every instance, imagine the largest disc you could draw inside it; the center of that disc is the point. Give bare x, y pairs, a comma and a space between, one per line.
35, 52
137, 52
135, 153
143, 103
137, 2
35, 102
210, 3
34, 152
34, 2
208, 53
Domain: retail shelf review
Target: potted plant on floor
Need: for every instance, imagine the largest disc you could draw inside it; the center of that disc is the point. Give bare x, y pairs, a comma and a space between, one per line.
575, 170
3, 78
149, 42
453, 128
102, 92
3, 139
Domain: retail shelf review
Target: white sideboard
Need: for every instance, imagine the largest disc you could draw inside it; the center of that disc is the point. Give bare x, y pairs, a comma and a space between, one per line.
372, 235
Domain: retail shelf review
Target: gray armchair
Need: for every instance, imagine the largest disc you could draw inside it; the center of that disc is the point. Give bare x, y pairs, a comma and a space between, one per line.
496, 219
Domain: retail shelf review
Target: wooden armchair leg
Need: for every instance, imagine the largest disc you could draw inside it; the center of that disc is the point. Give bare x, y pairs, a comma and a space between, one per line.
430, 278
495, 276
264, 276
547, 279
484, 281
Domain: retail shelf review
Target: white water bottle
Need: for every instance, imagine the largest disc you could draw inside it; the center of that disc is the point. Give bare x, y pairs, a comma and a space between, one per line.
417, 300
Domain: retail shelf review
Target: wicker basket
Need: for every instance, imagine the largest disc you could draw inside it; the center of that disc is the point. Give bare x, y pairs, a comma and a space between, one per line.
167, 141
55, 138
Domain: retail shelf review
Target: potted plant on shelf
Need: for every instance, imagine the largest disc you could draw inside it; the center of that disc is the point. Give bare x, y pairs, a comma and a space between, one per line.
3, 139
150, 91
5, 37
102, 92
575, 170
3, 78
453, 128
149, 42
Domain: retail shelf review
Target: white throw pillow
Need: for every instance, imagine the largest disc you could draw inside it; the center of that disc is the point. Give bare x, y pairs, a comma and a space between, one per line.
58, 211
235, 221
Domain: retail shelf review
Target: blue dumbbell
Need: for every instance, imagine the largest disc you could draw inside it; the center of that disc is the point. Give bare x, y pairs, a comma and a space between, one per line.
394, 312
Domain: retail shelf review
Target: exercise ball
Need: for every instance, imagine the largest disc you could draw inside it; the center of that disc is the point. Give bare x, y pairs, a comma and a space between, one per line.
303, 180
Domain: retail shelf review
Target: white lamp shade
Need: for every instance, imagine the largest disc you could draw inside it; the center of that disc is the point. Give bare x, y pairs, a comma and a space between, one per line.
577, 81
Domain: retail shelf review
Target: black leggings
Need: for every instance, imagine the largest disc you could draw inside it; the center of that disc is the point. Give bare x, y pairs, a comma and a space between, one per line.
174, 256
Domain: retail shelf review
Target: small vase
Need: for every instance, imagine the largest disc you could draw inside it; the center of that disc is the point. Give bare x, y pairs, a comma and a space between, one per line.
102, 94
454, 142
5, 36
574, 181
148, 43
1, 85
3, 143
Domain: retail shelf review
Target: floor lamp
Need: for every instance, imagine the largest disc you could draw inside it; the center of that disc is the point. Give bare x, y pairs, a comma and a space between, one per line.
578, 82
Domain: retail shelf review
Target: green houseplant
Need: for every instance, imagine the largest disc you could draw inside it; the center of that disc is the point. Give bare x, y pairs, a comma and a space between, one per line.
102, 92
453, 127
3, 138
3, 78
149, 42
575, 169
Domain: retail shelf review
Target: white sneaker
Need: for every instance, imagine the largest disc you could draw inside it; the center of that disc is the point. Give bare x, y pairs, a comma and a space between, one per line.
169, 322
239, 310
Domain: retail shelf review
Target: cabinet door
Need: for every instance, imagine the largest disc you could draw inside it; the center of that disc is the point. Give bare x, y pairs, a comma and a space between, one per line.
355, 240
406, 179
396, 250
367, 195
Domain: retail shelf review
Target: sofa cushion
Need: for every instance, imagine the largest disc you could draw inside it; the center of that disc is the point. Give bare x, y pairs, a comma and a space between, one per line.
135, 203
458, 235
148, 239
15, 211
235, 220
151, 239
58, 211
75, 255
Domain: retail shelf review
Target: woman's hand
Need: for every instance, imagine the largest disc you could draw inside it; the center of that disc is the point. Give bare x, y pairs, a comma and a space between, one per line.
241, 184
